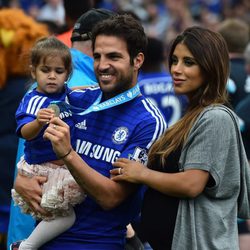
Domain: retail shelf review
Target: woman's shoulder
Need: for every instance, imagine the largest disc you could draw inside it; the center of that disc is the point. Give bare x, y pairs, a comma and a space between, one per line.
219, 113
215, 118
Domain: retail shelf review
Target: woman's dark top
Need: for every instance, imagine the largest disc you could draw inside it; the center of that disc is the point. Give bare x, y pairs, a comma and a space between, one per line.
159, 210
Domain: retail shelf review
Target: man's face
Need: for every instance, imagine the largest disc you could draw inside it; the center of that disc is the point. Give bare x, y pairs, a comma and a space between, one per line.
112, 65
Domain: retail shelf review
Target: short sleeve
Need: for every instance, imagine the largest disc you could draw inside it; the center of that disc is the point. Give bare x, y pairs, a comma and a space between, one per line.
209, 142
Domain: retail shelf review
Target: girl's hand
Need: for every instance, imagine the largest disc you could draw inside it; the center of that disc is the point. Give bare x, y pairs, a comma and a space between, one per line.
128, 170
44, 116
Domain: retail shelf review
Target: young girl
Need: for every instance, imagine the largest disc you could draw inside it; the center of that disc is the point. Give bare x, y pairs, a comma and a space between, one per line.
50, 67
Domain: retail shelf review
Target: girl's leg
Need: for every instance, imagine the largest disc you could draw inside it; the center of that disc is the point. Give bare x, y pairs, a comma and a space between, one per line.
48, 230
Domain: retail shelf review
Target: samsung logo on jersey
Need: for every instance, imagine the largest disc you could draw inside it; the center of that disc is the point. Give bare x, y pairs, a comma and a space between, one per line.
96, 151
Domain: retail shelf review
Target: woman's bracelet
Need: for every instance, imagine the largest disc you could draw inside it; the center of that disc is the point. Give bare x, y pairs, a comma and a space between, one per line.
62, 157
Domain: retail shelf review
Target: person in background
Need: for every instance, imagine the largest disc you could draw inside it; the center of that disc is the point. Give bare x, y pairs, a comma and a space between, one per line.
236, 34
242, 110
81, 51
197, 171
157, 84
116, 121
30, 7
52, 10
73, 10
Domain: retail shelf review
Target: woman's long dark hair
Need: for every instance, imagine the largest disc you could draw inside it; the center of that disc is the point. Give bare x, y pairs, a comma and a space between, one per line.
211, 54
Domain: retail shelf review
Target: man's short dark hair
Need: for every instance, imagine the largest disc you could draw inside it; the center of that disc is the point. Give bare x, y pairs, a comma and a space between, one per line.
127, 28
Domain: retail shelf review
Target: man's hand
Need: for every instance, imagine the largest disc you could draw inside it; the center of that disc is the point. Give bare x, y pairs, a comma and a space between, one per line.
58, 132
31, 191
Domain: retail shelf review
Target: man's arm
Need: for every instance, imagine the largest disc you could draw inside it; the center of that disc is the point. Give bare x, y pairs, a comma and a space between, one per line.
103, 190
106, 192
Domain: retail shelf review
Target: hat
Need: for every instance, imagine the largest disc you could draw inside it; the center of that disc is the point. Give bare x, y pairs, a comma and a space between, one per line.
86, 22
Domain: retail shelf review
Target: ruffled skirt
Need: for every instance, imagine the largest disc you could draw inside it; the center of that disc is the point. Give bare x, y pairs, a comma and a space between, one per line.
60, 192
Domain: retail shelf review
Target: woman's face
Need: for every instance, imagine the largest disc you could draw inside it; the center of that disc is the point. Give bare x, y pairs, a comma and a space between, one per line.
186, 73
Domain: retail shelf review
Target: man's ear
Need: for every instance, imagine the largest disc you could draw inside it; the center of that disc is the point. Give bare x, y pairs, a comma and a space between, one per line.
138, 61
33, 72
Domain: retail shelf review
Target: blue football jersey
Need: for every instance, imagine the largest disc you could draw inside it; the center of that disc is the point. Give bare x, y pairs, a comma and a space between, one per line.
39, 150
127, 130
158, 87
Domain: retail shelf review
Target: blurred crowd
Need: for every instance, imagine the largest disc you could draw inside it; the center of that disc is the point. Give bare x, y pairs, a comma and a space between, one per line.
161, 18
166, 18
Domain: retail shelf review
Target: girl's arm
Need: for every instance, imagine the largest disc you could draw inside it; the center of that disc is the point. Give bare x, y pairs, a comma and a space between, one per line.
32, 129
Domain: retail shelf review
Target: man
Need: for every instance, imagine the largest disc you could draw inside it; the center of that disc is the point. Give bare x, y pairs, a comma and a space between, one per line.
83, 73
125, 125
21, 225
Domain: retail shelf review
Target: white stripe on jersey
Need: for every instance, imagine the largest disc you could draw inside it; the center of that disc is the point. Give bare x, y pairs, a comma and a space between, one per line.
35, 104
160, 121
84, 90
66, 99
159, 115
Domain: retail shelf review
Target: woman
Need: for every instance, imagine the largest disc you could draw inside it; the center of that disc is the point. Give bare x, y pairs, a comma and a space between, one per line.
193, 173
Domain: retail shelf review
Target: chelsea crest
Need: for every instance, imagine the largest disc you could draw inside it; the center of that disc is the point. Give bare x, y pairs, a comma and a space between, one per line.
120, 135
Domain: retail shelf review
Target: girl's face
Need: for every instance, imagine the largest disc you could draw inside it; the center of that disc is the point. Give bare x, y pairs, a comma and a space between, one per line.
186, 73
50, 75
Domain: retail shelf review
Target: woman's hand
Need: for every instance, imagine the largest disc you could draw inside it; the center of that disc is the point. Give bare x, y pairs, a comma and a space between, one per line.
128, 170
58, 133
31, 191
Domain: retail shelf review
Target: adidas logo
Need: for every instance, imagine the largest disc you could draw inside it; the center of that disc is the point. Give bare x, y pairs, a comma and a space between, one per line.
81, 125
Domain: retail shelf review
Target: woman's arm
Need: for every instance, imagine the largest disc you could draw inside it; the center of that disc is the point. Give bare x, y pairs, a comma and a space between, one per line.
188, 184
208, 143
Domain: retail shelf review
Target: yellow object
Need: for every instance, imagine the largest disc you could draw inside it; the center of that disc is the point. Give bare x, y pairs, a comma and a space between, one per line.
18, 33
6, 37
